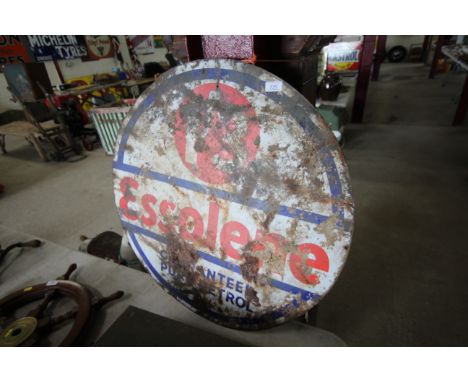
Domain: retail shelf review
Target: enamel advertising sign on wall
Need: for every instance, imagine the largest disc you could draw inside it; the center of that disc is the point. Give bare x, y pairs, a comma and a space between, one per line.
344, 56
234, 193
99, 47
12, 51
57, 47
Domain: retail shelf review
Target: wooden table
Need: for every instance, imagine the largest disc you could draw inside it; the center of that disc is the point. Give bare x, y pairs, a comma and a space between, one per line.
459, 54
131, 84
87, 89
37, 265
142, 81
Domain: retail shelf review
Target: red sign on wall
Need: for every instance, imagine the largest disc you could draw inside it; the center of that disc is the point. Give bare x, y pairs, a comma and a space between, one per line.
99, 47
12, 51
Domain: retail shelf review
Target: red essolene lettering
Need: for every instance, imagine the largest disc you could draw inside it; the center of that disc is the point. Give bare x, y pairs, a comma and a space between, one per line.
270, 240
147, 201
233, 232
302, 262
125, 185
190, 224
212, 228
163, 207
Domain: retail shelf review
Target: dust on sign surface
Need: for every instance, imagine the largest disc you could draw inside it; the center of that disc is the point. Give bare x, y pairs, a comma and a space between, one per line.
235, 195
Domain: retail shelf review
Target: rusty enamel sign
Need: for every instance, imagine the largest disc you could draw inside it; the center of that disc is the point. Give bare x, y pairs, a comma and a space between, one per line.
234, 193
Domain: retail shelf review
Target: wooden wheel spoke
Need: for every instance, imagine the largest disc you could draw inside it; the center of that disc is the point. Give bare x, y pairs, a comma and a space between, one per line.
38, 311
105, 300
52, 322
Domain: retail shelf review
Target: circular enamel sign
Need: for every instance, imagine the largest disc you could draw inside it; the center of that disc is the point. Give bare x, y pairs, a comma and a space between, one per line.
234, 193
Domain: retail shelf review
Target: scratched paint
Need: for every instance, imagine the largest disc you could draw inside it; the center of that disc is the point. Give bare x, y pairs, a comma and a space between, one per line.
234, 193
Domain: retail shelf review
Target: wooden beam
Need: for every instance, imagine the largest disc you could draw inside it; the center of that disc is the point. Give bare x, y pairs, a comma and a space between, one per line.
59, 71
426, 48
437, 55
379, 57
194, 47
362, 84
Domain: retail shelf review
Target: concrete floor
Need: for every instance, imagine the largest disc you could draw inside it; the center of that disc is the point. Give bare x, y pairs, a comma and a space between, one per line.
404, 94
405, 281
58, 201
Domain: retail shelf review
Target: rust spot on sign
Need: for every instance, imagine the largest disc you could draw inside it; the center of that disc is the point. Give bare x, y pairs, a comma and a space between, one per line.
249, 268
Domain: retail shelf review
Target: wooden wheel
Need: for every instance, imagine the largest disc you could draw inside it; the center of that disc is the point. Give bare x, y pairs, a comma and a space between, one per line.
31, 328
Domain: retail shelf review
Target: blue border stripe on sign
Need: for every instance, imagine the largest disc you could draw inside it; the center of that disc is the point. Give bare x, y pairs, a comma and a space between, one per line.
306, 295
259, 204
